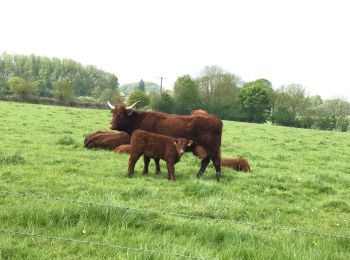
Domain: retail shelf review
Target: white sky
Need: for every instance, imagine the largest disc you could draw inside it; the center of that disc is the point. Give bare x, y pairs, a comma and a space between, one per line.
284, 41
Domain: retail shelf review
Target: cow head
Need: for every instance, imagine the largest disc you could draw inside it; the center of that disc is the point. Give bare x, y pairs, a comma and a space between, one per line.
181, 144
121, 116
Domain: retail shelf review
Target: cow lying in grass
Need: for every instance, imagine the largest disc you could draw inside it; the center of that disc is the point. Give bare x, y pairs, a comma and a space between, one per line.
156, 146
106, 140
238, 164
124, 148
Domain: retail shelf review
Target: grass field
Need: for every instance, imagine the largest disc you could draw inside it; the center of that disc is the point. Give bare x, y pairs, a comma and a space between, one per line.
300, 179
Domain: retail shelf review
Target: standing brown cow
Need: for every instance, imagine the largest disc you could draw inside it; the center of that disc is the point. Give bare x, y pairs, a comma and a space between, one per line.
156, 146
204, 130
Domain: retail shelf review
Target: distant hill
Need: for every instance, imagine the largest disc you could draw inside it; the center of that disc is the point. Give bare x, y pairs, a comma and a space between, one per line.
129, 87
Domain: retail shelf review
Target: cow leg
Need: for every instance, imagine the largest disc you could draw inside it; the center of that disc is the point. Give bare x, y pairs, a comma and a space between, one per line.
132, 161
170, 165
204, 165
145, 166
217, 164
156, 161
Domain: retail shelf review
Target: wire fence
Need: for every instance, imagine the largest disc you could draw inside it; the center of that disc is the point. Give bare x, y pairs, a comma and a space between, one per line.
100, 244
252, 225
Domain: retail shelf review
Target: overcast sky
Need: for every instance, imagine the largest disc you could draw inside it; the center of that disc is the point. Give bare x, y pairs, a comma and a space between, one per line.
292, 41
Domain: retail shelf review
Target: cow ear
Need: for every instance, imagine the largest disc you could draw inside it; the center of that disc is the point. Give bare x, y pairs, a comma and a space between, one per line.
175, 142
189, 142
129, 112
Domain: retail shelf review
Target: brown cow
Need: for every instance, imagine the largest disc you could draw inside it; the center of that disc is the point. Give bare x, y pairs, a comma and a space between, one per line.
238, 164
203, 130
106, 140
156, 146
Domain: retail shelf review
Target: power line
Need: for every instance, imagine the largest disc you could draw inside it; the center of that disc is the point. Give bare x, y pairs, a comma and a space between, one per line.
252, 225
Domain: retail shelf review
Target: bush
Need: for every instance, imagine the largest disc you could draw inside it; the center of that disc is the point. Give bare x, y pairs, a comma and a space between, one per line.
343, 124
283, 116
87, 99
306, 122
325, 123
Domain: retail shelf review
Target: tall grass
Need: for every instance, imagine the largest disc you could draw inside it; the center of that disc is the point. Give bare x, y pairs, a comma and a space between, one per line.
300, 178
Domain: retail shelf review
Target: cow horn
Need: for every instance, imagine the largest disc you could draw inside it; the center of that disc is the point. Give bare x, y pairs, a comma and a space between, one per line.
110, 105
133, 105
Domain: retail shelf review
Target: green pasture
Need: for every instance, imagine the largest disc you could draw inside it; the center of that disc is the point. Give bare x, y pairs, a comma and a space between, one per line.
300, 179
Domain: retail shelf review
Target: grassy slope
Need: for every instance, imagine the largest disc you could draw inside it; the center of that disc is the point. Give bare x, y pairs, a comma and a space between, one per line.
300, 178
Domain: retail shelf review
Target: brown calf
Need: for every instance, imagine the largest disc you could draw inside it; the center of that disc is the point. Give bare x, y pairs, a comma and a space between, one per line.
238, 164
124, 148
156, 146
106, 140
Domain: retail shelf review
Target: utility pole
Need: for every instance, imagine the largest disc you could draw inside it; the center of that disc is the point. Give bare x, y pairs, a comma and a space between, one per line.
161, 85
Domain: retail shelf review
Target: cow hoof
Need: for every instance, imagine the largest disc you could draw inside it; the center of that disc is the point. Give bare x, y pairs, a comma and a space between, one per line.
218, 176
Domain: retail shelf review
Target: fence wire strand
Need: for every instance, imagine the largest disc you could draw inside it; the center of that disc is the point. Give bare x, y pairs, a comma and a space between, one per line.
87, 242
252, 225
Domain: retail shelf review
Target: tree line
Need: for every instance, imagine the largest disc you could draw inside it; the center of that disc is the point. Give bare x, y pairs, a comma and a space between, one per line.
227, 96
28, 76
218, 91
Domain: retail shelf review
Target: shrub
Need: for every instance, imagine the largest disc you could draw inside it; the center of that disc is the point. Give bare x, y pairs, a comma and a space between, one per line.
306, 122
343, 124
325, 123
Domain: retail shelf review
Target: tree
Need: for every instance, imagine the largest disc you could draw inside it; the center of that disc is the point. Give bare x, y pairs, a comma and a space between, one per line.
139, 96
111, 95
337, 107
164, 103
187, 97
218, 90
3, 87
254, 101
63, 90
22, 88
296, 98
141, 86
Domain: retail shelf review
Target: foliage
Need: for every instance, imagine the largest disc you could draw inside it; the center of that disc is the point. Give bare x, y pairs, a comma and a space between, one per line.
255, 101
22, 88
305, 122
300, 179
139, 96
186, 92
282, 115
63, 90
343, 124
130, 87
141, 86
325, 122
47, 71
218, 91
164, 103
110, 95
292, 96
